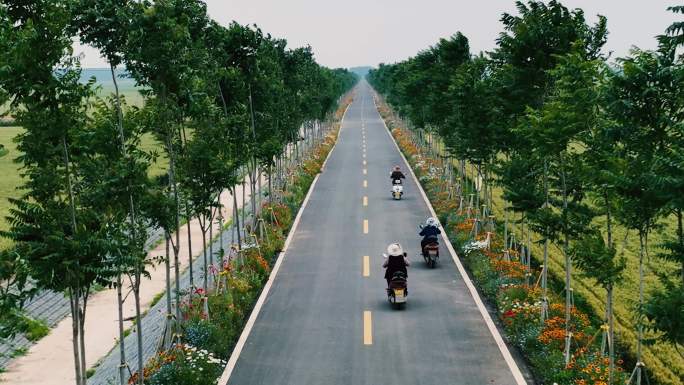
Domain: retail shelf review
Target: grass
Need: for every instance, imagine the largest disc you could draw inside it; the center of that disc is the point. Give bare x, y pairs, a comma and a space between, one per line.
19, 352
157, 298
90, 372
35, 329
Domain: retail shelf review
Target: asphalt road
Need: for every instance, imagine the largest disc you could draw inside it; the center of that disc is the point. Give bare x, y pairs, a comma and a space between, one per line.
324, 322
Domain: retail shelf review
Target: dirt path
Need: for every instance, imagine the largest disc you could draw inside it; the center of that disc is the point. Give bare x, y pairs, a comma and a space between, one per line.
50, 361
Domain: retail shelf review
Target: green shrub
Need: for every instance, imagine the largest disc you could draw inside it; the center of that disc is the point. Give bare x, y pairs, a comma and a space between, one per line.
34, 329
206, 335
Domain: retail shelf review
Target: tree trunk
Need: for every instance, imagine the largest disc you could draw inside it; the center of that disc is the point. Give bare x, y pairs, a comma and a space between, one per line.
270, 184
545, 268
203, 229
252, 191
568, 266
169, 310
73, 299
176, 272
640, 326
236, 216
175, 246
220, 218
211, 237
609, 222
138, 325
81, 337
122, 347
254, 159
188, 218
259, 192
611, 348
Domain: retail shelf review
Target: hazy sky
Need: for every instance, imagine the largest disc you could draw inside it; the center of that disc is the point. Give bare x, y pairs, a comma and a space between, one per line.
346, 33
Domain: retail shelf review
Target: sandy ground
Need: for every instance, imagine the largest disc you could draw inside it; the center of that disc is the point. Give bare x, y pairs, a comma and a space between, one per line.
50, 361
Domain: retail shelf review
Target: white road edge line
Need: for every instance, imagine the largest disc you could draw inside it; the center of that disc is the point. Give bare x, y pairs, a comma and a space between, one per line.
235, 354
512, 365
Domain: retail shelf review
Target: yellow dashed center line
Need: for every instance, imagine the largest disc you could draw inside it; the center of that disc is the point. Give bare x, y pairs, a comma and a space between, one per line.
367, 328
366, 266
365, 201
365, 226
365, 171
365, 183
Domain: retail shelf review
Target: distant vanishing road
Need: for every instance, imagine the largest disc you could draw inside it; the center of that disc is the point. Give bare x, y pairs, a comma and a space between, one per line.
326, 319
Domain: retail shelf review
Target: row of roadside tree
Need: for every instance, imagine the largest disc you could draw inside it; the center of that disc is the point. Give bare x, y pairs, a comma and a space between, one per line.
225, 103
577, 144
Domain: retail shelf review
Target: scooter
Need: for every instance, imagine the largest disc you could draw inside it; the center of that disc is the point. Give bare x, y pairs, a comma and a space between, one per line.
431, 253
397, 189
397, 291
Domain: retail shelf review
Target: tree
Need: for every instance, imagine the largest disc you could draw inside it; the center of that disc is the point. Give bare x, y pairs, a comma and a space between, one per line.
165, 52
598, 260
642, 104
569, 111
56, 231
471, 133
104, 25
117, 182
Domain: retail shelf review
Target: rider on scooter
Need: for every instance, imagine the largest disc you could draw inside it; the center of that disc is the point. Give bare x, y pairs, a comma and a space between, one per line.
395, 261
397, 174
429, 232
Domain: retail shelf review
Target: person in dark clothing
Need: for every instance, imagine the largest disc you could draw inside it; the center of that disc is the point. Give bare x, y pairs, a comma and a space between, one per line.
429, 232
397, 174
395, 260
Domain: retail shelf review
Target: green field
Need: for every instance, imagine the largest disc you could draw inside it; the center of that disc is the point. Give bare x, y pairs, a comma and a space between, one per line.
131, 94
10, 179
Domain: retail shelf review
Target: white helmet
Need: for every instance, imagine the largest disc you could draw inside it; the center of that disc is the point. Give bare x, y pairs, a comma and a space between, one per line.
431, 222
395, 249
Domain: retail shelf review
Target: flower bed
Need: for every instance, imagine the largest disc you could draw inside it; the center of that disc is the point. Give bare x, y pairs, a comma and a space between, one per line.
510, 285
212, 322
